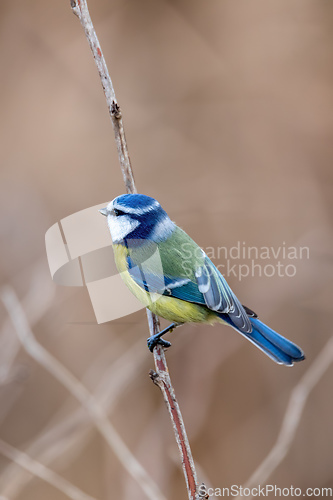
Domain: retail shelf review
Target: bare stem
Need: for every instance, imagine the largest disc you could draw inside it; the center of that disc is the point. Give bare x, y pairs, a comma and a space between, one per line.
161, 378
64, 439
39, 470
292, 417
80, 9
78, 390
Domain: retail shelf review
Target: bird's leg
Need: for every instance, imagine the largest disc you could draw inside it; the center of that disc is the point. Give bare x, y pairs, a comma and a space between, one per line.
156, 339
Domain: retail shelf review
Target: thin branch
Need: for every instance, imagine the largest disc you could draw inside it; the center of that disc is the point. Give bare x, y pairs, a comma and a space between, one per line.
67, 436
292, 416
36, 304
162, 378
80, 9
39, 470
67, 379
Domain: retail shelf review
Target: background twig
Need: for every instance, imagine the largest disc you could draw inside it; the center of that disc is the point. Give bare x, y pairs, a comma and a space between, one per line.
162, 378
63, 440
52, 365
43, 472
292, 417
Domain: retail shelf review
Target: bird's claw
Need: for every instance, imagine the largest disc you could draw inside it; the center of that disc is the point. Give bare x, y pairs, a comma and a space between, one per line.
151, 343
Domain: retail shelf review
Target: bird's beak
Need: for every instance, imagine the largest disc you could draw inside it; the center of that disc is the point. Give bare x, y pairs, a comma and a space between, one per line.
103, 211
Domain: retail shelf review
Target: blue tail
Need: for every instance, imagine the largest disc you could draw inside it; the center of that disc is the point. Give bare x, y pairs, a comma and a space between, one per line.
278, 348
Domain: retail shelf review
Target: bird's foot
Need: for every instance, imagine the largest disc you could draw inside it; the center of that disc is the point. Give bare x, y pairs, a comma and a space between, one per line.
156, 339
152, 342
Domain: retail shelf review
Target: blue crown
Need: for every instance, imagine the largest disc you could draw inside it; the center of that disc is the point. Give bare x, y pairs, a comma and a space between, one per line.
135, 203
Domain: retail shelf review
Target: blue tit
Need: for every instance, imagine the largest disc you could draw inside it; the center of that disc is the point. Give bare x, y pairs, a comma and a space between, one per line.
172, 276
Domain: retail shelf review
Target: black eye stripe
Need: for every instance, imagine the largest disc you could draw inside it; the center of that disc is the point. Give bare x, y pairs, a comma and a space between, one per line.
117, 212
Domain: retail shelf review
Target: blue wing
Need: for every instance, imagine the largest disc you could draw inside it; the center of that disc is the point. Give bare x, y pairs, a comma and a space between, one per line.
178, 287
219, 297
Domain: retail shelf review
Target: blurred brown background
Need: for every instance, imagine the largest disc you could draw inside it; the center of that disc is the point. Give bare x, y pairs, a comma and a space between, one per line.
228, 114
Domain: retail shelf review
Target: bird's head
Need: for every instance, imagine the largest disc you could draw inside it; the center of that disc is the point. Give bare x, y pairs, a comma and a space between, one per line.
137, 217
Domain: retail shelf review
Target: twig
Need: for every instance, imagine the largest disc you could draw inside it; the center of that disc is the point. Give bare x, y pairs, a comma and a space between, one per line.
52, 365
292, 416
72, 432
42, 472
80, 9
36, 304
162, 378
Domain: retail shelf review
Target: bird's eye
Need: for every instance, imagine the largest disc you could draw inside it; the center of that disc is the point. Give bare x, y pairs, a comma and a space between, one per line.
117, 212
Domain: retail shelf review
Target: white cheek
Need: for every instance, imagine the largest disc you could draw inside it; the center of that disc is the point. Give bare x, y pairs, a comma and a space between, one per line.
121, 226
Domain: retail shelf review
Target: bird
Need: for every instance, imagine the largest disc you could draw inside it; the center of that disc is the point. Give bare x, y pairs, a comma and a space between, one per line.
174, 278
